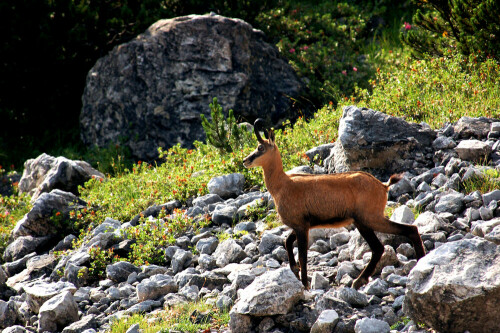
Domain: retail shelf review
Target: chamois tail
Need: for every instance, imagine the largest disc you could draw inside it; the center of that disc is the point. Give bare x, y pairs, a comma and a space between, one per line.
394, 179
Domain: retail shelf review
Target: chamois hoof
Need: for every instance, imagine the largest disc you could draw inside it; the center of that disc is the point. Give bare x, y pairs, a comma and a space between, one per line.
359, 282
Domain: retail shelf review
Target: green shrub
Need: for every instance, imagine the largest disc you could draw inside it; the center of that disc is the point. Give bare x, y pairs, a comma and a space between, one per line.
179, 318
334, 46
12, 209
487, 182
322, 41
224, 133
436, 90
469, 26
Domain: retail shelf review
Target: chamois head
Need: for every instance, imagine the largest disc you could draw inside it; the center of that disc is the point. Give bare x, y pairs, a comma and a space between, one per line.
260, 155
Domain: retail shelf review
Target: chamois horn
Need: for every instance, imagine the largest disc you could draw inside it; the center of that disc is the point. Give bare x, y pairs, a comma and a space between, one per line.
258, 126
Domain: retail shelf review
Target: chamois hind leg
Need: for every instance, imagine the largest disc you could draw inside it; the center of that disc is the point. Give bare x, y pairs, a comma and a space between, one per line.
302, 242
410, 231
377, 251
289, 249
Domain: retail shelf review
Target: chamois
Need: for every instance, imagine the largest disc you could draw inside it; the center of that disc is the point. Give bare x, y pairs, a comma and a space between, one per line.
305, 202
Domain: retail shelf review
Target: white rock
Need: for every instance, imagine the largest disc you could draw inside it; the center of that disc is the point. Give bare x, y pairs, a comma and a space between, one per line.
274, 292
326, 322
403, 214
371, 325
58, 312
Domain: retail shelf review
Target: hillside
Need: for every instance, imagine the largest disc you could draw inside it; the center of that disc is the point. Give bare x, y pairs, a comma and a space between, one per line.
193, 243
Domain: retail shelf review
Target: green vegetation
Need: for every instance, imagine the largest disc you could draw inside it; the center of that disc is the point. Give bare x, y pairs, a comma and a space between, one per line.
436, 90
470, 27
224, 133
326, 42
12, 209
487, 182
187, 317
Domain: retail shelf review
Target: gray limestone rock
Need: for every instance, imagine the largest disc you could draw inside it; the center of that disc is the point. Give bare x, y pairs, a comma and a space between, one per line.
228, 252
274, 292
41, 220
452, 291
46, 173
181, 259
326, 322
352, 296
467, 127
207, 245
371, 140
451, 203
224, 214
40, 292
403, 214
269, 242
473, 150
119, 272
58, 312
227, 186
156, 286
371, 325
86, 323
8, 313
151, 91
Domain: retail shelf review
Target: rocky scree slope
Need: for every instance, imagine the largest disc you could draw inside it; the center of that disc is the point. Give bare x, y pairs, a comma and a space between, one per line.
455, 288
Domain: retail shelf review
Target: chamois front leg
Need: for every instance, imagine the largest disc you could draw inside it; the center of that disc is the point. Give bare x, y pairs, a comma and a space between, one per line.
289, 249
302, 242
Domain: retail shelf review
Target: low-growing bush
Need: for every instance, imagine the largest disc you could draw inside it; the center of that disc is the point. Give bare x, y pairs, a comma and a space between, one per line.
12, 209
322, 41
436, 90
186, 317
487, 182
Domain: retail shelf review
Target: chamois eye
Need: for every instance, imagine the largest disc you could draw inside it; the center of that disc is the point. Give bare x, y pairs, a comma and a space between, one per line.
260, 148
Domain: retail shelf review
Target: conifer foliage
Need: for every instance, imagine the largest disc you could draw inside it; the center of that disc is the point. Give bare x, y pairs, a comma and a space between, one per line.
224, 134
469, 26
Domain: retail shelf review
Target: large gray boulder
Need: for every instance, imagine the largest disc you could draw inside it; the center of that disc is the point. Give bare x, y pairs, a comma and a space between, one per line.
456, 287
45, 173
229, 251
473, 150
119, 272
151, 91
273, 293
372, 141
22, 246
227, 186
